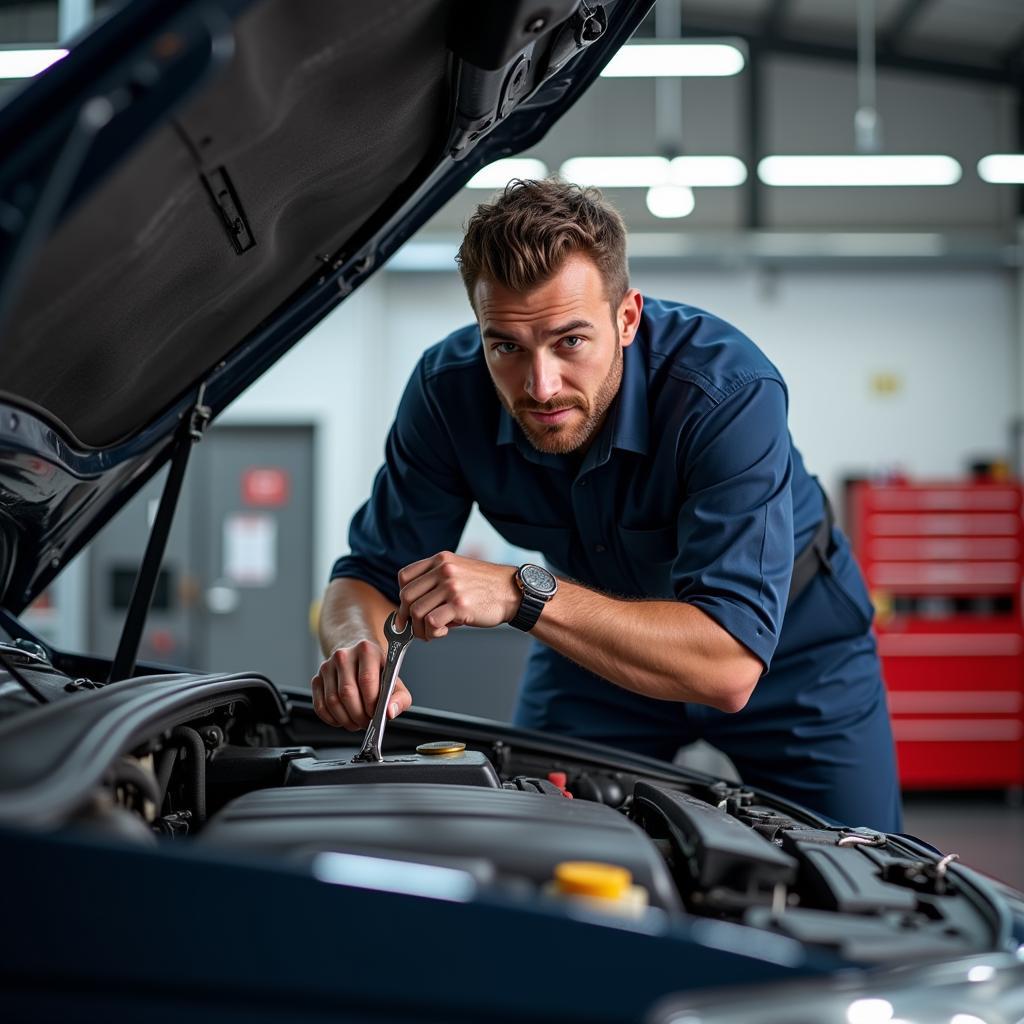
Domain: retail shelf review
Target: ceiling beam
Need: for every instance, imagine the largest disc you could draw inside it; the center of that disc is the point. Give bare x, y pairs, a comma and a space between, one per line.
1013, 56
774, 17
900, 23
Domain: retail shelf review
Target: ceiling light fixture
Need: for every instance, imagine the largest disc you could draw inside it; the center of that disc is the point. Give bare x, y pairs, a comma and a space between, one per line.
861, 170
708, 171
656, 59
868, 167
26, 63
616, 171
651, 171
501, 172
670, 201
1002, 168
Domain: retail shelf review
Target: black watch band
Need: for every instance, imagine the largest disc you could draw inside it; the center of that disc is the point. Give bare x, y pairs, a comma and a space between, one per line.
529, 612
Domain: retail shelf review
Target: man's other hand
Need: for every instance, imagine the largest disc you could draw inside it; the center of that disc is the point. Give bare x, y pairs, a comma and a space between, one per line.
346, 686
447, 590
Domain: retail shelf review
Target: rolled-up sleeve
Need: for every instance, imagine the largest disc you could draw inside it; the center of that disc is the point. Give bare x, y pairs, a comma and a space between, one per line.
735, 527
420, 500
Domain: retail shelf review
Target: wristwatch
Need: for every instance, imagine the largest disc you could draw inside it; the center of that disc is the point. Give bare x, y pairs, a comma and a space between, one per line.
538, 587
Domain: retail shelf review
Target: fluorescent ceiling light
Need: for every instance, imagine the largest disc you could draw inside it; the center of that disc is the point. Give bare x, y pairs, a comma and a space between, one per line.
670, 201
616, 171
501, 172
651, 171
859, 170
1002, 168
675, 60
708, 171
26, 63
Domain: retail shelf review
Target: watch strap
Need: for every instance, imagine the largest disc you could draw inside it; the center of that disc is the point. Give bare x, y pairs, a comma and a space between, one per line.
529, 612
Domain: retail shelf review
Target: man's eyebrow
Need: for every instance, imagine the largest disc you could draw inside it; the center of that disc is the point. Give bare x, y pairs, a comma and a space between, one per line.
555, 332
572, 325
493, 332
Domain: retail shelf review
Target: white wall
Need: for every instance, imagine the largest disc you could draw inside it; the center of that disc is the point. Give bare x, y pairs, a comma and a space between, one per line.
947, 336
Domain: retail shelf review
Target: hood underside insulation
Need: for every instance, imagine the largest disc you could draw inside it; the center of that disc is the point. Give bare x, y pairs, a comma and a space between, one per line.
320, 117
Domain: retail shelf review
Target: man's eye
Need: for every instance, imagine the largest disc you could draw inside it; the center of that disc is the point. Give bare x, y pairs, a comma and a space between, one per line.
573, 341
506, 348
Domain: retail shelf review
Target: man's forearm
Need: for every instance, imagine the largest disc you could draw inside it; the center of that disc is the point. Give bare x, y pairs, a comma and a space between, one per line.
352, 611
663, 649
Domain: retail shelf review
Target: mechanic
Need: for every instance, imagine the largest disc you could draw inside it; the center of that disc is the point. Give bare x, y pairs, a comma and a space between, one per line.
698, 588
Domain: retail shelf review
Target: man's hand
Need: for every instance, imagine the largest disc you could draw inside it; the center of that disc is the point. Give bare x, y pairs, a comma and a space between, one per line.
346, 686
448, 590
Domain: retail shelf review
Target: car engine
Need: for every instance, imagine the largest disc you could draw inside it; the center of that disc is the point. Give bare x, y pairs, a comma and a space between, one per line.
227, 764
508, 813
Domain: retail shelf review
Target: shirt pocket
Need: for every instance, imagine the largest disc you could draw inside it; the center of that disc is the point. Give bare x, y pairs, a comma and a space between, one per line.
658, 545
551, 541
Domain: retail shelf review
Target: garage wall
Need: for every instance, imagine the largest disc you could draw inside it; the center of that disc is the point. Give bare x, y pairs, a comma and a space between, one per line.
943, 339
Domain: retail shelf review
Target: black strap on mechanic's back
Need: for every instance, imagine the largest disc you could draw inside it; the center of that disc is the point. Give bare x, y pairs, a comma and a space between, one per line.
814, 558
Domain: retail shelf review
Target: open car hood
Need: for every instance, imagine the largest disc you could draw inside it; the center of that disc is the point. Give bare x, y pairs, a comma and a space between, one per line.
197, 184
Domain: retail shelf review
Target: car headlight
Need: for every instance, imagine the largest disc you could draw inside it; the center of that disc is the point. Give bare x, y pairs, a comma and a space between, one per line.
985, 989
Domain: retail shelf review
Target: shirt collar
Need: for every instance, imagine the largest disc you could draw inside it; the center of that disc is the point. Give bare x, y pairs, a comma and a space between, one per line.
627, 427
631, 432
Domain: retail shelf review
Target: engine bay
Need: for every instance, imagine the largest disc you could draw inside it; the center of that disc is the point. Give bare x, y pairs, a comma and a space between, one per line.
508, 811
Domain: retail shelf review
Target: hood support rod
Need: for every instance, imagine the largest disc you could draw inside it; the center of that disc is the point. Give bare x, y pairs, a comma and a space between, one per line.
190, 432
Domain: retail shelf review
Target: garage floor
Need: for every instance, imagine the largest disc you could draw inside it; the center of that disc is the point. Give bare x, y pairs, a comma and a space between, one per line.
984, 828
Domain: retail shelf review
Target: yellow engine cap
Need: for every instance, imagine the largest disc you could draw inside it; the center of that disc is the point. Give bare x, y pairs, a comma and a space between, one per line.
592, 878
441, 747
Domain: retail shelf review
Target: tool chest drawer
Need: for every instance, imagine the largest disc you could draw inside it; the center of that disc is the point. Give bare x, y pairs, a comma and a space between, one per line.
945, 564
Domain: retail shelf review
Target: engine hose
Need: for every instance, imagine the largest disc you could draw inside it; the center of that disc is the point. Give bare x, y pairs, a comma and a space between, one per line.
163, 774
194, 742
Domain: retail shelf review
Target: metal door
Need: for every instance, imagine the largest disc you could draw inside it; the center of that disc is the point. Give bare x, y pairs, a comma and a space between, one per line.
236, 581
255, 498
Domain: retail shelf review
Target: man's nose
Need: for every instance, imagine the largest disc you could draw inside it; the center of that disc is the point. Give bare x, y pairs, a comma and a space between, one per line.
544, 381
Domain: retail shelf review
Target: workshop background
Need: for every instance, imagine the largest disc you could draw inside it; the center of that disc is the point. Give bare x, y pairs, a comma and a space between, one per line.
896, 314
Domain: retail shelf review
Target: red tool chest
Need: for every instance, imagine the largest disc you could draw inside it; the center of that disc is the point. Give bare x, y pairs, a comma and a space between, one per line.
945, 564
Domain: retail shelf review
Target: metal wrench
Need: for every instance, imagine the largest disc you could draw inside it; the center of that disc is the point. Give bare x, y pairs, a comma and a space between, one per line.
397, 644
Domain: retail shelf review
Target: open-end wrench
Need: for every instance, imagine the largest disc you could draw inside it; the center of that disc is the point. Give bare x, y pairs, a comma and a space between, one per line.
397, 644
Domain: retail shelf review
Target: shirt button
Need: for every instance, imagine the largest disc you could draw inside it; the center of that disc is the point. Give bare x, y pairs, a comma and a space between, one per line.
581, 483
600, 549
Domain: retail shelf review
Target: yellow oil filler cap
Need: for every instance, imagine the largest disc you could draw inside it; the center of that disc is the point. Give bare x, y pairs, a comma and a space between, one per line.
593, 879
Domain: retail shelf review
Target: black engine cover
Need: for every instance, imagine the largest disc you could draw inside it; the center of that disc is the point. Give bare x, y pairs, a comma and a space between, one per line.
498, 835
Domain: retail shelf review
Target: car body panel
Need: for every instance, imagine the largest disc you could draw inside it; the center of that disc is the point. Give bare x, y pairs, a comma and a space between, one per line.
131, 888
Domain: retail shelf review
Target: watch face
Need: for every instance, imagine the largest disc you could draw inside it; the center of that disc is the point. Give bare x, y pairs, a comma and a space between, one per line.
538, 579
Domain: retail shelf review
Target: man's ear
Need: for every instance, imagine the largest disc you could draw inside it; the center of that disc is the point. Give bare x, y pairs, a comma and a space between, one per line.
628, 316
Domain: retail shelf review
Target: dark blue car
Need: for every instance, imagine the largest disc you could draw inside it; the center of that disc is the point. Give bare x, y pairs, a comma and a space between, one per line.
181, 199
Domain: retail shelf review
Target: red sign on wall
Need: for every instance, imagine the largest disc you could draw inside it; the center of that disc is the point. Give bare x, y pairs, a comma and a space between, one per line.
266, 487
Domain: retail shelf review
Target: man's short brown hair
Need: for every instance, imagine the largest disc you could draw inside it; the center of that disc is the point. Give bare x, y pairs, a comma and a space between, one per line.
525, 234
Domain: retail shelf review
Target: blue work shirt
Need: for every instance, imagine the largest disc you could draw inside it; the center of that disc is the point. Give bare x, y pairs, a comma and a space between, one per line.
691, 491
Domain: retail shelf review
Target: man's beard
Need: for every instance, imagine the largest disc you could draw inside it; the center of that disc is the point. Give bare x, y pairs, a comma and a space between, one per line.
563, 438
